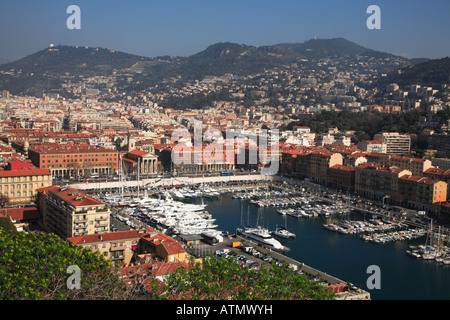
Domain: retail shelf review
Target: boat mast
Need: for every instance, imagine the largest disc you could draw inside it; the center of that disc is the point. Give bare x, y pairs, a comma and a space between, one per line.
121, 176
139, 167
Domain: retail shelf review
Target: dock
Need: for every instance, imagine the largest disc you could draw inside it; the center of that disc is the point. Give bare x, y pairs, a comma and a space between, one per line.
203, 249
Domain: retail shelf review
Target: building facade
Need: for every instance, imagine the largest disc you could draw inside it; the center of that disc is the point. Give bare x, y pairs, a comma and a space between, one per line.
74, 159
378, 182
68, 213
396, 143
20, 185
421, 193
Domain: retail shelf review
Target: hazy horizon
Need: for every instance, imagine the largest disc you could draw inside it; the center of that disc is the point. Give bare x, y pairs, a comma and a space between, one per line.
412, 29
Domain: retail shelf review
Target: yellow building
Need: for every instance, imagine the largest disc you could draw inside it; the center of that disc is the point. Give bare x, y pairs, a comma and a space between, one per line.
124, 248
118, 247
20, 185
315, 164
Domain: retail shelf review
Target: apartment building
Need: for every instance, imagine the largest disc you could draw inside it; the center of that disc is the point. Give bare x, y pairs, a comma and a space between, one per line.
416, 165
378, 182
440, 175
118, 247
372, 146
20, 185
396, 143
342, 176
421, 193
315, 164
68, 213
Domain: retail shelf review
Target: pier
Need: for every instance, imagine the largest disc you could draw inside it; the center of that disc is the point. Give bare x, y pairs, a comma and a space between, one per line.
316, 275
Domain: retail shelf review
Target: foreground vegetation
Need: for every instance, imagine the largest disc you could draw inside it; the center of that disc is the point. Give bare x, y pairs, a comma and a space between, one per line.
34, 266
218, 279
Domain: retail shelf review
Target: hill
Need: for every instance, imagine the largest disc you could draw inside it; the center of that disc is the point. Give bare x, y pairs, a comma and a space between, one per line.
48, 69
337, 47
429, 73
86, 61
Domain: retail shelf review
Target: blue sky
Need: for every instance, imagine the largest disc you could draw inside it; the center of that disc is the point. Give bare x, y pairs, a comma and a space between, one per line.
184, 27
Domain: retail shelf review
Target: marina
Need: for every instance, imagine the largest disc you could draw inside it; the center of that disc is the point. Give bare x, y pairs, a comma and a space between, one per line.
389, 242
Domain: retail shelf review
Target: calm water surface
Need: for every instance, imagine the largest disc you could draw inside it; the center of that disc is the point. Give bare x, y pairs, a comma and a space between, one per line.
346, 257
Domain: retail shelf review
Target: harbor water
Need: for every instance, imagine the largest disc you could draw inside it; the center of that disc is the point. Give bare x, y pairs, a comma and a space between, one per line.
346, 257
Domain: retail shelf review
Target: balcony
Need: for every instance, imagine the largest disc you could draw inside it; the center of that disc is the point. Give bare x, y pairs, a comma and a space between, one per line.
117, 248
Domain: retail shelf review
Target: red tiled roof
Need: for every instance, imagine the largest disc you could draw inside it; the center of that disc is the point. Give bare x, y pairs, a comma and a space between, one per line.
110, 236
73, 196
27, 213
138, 152
171, 245
24, 172
342, 167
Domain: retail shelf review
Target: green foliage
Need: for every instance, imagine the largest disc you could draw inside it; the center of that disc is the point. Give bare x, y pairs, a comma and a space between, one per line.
368, 122
34, 266
218, 279
196, 101
430, 73
7, 226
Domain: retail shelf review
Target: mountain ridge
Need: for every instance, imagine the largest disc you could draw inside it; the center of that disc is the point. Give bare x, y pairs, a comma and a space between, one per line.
51, 63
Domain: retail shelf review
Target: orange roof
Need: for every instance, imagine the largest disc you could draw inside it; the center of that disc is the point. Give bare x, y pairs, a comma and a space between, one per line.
110, 236
171, 245
20, 214
24, 172
73, 196
342, 167
138, 152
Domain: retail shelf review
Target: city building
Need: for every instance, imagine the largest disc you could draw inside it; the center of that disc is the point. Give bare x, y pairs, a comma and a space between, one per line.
68, 213
118, 247
372, 146
396, 143
378, 182
314, 164
341, 176
440, 175
421, 193
20, 185
416, 165
141, 161
74, 159
22, 218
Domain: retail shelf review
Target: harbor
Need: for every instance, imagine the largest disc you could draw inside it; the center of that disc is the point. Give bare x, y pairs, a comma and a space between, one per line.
224, 207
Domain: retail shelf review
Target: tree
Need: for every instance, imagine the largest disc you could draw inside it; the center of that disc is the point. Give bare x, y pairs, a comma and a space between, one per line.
4, 200
34, 266
221, 278
7, 226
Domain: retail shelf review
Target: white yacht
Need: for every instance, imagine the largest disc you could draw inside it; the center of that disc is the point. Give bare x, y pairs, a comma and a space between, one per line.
262, 236
177, 195
283, 233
